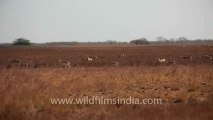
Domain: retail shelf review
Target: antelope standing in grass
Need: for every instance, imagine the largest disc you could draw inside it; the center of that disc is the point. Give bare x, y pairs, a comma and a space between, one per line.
163, 60
186, 58
96, 57
207, 57
121, 55
172, 63
89, 59
115, 64
23, 64
15, 61
64, 64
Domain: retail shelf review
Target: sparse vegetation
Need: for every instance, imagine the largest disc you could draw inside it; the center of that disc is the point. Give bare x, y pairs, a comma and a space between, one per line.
26, 91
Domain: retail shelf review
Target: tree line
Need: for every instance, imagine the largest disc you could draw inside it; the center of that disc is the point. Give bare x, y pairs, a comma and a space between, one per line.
140, 41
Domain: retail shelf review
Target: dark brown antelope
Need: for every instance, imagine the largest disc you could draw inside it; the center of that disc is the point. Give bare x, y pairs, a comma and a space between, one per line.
186, 58
207, 57
172, 63
21, 63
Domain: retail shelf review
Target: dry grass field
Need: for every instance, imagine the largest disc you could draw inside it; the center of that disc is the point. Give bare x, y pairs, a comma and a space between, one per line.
30, 77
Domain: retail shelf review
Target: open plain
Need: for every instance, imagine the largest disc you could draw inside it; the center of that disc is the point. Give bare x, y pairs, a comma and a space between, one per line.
31, 76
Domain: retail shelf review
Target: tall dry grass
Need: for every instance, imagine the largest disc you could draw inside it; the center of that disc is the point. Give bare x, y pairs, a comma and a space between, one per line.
186, 91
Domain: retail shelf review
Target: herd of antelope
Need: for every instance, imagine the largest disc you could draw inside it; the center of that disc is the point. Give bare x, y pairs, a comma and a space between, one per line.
67, 63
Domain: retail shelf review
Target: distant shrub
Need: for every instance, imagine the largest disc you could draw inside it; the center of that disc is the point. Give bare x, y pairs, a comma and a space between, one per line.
21, 41
142, 41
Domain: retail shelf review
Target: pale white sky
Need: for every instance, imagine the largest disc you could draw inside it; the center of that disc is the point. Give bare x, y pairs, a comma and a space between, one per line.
101, 20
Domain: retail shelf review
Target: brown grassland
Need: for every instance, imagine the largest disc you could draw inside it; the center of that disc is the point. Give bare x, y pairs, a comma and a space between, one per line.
186, 88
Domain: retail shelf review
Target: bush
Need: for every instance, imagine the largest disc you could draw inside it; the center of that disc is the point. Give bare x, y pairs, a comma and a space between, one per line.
21, 41
142, 41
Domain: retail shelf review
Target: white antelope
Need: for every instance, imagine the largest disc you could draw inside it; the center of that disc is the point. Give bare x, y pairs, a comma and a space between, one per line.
23, 64
115, 64
121, 55
64, 63
163, 60
89, 59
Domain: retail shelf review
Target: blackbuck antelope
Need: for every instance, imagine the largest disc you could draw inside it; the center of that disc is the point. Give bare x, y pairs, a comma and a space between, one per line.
64, 64
161, 60
96, 57
89, 59
115, 64
172, 63
23, 64
121, 56
186, 58
207, 57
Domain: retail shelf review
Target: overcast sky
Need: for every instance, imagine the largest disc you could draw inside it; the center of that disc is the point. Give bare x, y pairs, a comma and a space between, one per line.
101, 20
